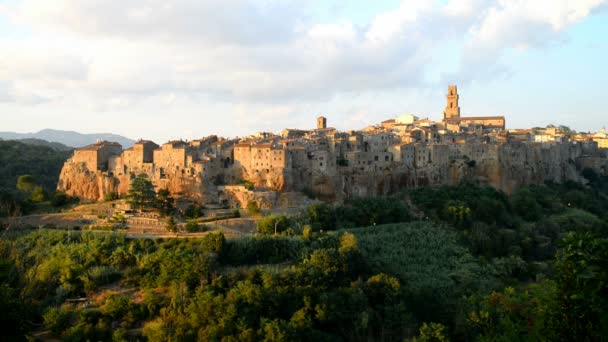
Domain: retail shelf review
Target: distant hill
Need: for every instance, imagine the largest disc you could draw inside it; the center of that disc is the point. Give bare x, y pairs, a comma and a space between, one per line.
68, 138
39, 142
41, 161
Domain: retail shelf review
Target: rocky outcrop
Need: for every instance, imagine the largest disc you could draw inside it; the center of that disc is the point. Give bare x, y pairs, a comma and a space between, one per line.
504, 166
77, 181
239, 196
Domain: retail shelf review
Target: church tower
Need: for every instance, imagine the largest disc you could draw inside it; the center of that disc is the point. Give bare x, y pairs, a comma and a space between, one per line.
452, 110
321, 122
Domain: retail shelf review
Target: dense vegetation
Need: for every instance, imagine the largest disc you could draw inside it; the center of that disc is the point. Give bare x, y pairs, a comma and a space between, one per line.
460, 263
41, 162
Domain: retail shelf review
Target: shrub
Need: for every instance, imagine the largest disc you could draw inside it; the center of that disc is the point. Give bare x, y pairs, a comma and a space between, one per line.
192, 227
57, 319
272, 224
110, 196
59, 199
253, 208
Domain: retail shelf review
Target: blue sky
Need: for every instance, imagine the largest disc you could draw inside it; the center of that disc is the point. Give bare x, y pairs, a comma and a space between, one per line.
186, 68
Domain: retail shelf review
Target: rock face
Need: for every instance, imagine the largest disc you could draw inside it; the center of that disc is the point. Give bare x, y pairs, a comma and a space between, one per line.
77, 181
505, 166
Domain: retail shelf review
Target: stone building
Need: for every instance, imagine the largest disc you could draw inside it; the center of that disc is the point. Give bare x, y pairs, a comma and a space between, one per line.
402, 152
321, 122
95, 156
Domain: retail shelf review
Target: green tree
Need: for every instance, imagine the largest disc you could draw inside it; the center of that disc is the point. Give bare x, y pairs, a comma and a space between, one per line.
171, 225
582, 282
141, 193
525, 205
253, 208
59, 199
110, 196
192, 226
321, 216
432, 332
26, 183
38, 195
273, 224
164, 202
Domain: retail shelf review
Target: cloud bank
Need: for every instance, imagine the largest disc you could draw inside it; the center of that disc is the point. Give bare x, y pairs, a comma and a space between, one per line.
268, 57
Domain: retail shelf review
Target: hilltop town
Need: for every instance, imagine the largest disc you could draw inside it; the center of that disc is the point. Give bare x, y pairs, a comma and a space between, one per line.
286, 170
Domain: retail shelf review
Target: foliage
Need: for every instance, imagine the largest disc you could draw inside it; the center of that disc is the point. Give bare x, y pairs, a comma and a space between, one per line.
141, 193
435, 269
194, 211
252, 208
247, 184
432, 332
582, 282
526, 314
60, 199
171, 226
26, 183
38, 195
371, 211
110, 196
321, 216
164, 202
42, 163
486, 273
273, 224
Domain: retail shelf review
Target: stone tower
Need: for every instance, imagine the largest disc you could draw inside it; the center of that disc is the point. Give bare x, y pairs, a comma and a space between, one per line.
452, 110
321, 122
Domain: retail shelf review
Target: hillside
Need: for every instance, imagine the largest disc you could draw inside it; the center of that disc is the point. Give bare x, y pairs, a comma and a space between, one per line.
20, 158
39, 142
69, 138
463, 263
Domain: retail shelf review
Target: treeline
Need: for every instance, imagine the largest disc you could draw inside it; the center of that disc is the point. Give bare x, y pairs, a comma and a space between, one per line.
431, 264
42, 164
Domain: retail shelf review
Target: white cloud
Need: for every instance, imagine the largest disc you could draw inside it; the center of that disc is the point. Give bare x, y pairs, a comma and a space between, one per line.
270, 57
9, 93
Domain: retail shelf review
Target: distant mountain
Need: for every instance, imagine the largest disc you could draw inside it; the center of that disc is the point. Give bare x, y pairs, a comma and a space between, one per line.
39, 142
69, 138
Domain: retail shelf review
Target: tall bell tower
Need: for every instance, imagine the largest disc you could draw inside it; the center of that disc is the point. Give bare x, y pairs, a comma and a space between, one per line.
452, 110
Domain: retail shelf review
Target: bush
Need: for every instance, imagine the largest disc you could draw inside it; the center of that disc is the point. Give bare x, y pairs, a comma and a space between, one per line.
194, 211
247, 184
321, 216
272, 224
57, 319
110, 196
253, 208
59, 199
192, 226
39, 195
171, 225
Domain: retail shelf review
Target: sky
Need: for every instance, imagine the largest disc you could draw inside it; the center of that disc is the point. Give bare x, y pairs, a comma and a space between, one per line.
165, 70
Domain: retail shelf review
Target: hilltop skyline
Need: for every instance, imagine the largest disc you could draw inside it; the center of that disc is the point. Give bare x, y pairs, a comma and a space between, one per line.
188, 70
